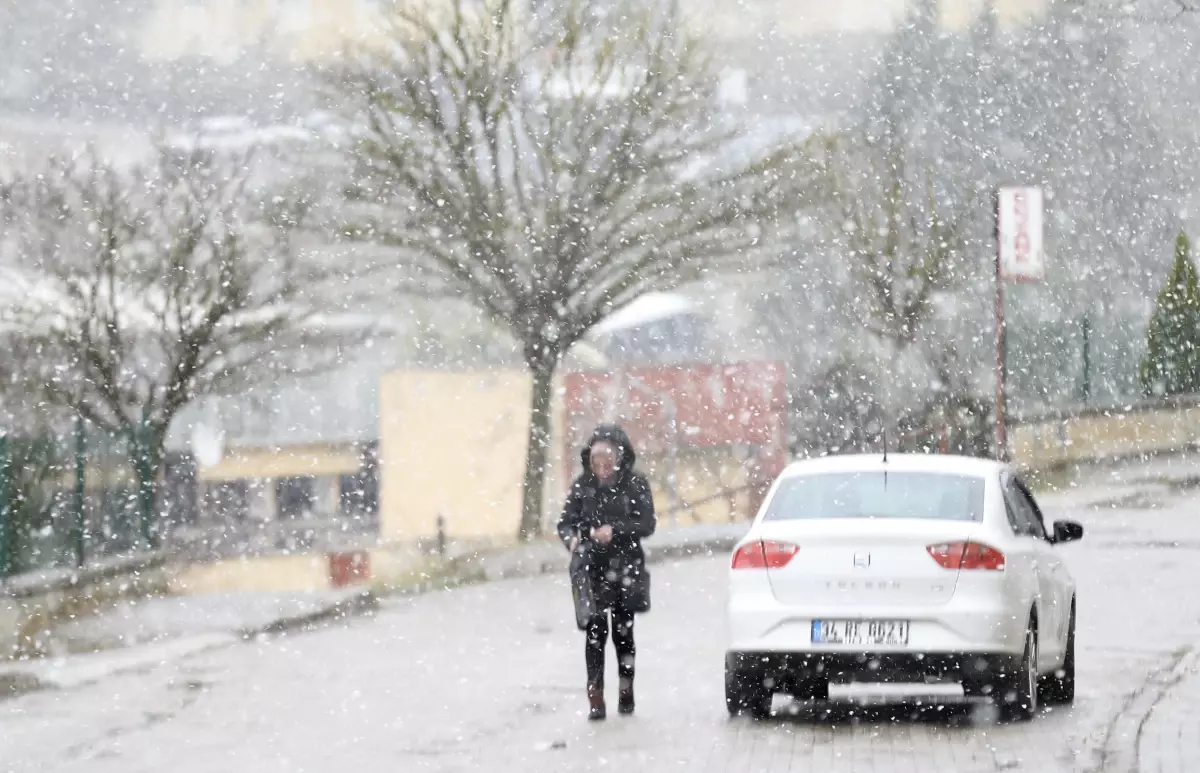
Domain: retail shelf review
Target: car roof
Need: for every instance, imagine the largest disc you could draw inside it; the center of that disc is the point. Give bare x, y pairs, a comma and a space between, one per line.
945, 463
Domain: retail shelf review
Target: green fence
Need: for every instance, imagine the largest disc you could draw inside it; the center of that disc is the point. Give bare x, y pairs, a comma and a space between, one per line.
71, 497
1070, 365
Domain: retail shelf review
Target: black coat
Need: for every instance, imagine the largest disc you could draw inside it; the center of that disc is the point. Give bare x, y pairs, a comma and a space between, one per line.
626, 504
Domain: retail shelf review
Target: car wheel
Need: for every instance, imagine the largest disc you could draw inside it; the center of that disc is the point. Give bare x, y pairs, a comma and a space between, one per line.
1020, 700
1059, 687
745, 692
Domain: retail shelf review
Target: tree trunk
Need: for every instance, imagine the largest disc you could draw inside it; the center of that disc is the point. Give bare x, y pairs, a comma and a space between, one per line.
148, 455
537, 449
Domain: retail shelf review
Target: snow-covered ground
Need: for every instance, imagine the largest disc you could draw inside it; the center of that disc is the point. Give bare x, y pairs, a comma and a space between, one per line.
490, 678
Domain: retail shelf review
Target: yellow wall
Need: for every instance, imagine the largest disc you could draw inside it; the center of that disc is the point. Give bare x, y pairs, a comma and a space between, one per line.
454, 444
961, 14
699, 478
800, 18
223, 29
266, 573
316, 29
1099, 436
315, 459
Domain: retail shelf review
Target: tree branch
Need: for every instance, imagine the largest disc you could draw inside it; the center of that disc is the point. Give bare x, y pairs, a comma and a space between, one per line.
146, 283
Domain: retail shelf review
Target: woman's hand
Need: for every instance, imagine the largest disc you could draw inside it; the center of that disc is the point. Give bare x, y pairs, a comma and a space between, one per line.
573, 544
603, 534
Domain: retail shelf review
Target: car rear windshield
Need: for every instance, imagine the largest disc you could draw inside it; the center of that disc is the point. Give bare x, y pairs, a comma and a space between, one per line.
943, 496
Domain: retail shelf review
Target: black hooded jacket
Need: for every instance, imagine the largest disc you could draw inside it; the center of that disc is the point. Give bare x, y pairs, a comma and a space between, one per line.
625, 504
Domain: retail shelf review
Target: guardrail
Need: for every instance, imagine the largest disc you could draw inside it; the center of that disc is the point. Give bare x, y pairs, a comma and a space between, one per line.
31, 603
48, 580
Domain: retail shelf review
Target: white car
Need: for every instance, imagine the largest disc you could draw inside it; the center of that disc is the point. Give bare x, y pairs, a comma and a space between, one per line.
901, 568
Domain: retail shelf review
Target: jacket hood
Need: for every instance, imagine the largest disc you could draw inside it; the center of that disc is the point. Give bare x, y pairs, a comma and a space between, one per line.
615, 435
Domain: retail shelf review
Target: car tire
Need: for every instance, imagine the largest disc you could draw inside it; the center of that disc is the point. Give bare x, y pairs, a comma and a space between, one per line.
1059, 688
1019, 702
745, 692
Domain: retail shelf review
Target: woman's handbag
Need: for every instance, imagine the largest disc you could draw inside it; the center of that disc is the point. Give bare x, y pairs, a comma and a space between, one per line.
637, 592
635, 585
582, 591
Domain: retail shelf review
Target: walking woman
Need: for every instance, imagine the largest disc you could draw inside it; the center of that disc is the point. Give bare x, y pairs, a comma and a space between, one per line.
606, 516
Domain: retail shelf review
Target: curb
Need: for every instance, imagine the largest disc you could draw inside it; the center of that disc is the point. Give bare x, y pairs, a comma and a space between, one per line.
561, 562
702, 549
1122, 741
363, 602
471, 570
14, 685
85, 670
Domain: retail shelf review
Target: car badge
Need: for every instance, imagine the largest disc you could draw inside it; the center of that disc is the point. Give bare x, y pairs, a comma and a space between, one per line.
862, 560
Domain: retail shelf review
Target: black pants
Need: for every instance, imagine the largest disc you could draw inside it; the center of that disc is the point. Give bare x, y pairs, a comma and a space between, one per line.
597, 640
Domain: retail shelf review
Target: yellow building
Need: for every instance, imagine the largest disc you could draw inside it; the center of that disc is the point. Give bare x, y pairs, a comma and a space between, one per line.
261, 475
309, 30
298, 30
452, 444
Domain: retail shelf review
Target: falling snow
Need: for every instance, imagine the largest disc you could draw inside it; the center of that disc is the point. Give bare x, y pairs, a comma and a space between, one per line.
308, 309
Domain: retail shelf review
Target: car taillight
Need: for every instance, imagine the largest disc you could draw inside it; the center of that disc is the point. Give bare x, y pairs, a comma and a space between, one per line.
967, 555
764, 554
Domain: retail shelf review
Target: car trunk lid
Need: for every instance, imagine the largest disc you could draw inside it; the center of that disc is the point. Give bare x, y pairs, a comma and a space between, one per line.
855, 562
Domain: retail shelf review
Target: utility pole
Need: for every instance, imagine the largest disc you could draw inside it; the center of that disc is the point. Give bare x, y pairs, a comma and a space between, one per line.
1020, 258
1086, 331
1001, 350
6, 505
77, 509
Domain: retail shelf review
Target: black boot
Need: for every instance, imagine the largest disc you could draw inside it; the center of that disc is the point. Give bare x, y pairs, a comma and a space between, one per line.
625, 701
597, 710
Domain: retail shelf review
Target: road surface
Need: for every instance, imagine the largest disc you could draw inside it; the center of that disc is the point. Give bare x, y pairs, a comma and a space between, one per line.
490, 678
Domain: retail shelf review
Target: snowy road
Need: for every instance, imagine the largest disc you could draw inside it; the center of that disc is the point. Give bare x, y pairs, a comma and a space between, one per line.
489, 678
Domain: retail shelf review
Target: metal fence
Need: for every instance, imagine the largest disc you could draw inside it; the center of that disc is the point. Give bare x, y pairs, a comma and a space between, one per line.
1072, 366
70, 497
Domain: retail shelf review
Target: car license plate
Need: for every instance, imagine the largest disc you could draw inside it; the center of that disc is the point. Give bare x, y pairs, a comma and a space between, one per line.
860, 632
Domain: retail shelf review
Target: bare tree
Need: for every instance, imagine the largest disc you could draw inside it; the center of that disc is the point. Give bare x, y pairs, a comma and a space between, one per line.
905, 242
838, 411
137, 288
551, 164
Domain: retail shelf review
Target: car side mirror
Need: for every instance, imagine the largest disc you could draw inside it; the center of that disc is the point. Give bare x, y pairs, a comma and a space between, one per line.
1067, 531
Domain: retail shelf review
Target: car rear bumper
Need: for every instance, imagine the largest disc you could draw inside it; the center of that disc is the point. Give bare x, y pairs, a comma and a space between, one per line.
789, 671
966, 624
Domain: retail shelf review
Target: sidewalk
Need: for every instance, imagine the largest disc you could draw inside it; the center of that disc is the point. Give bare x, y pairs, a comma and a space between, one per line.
139, 633
246, 614
1143, 503
1167, 737
1127, 483
135, 634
